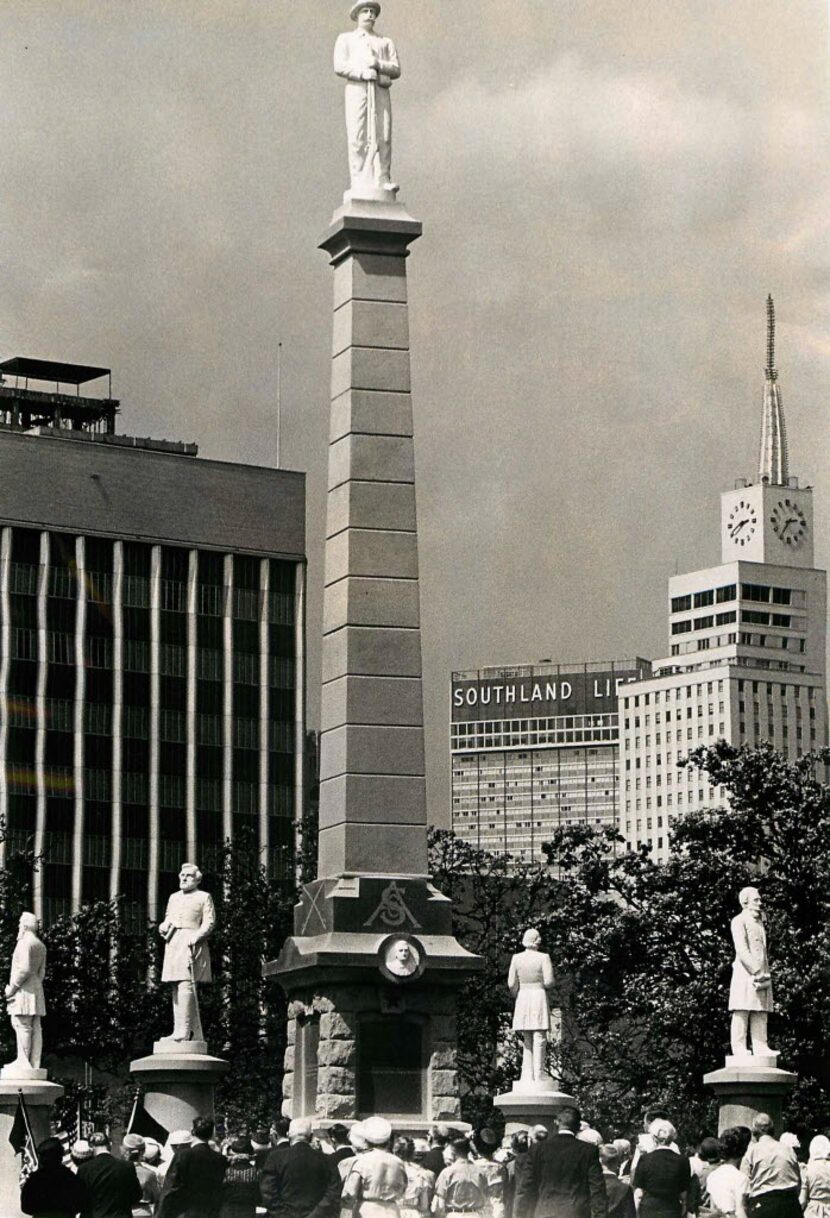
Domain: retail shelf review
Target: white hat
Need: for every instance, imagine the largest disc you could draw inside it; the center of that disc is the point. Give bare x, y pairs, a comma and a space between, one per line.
355, 9
790, 1139
300, 1127
179, 1137
377, 1131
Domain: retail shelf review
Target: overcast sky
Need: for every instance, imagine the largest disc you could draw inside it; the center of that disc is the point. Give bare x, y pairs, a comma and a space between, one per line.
609, 189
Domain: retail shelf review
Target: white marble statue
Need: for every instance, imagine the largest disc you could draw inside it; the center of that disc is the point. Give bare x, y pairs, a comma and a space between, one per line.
369, 63
750, 993
529, 980
188, 923
24, 996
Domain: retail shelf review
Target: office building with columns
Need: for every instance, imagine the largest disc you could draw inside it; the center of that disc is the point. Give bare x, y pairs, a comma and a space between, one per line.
151, 648
747, 645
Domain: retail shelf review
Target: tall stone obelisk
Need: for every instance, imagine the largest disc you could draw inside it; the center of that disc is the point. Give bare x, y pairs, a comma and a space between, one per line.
373, 969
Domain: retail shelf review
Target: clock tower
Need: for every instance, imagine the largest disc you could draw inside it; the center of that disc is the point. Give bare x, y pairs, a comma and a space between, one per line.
771, 520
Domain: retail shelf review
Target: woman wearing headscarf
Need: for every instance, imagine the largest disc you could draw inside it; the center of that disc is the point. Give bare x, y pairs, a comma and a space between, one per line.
815, 1184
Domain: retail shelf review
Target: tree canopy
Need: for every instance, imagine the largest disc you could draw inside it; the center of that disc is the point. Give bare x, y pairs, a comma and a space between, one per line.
643, 949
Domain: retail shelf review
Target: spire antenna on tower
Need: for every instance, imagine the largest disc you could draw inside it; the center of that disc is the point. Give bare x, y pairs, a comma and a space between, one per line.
771, 338
773, 464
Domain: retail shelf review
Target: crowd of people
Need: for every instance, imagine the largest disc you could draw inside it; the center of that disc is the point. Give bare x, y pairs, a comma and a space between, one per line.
367, 1171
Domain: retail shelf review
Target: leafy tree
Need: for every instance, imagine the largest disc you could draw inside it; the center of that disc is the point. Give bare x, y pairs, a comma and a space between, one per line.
645, 947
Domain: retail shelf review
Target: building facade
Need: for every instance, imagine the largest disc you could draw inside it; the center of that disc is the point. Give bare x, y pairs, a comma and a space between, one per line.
534, 747
151, 653
747, 646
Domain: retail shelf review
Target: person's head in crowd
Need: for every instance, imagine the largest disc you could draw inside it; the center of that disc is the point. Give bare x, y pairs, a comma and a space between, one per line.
460, 1149
519, 1143
623, 1145
240, 1148
709, 1150
650, 1115
569, 1119
439, 1135
260, 1139
592, 1136
763, 1126
152, 1152
420, 1149
279, 1129
486, 1142
99, 1142
378, 1132
300, 1130
819, 1148
179, 1139
404, 1148
609, 1157
538, 1133
357, 1138
733, 1143
338, 1135
662, 1131
134, 1147
790, 1139
80, 1151
50, 1153
202, 1129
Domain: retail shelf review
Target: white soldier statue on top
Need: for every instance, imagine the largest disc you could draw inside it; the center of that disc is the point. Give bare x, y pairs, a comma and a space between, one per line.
188, 923
369, 63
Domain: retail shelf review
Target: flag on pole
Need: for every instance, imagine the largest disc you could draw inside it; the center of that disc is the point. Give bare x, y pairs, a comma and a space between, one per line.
22, 1140
142, 1123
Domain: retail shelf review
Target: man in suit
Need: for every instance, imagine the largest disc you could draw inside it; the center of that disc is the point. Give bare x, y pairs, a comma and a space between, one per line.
111, 1185
193, 1184
298, 1181
561, 1176
24, 995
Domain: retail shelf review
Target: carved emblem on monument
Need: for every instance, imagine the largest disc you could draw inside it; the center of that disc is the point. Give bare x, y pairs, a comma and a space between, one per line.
392, 909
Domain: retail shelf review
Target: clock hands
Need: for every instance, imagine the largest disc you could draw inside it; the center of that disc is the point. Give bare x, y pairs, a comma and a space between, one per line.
736, 530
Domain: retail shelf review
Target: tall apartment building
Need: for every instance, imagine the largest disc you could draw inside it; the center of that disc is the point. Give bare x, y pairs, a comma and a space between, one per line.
747, 644
534, 747
151, 648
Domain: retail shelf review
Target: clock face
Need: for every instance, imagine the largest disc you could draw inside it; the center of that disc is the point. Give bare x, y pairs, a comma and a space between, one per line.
789, 523
742, 523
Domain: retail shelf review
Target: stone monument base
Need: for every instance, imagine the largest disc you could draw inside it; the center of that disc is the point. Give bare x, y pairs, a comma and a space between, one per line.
747, 1086
29, 1074
178, 1085
529, 1104
189, 1048
39, 1096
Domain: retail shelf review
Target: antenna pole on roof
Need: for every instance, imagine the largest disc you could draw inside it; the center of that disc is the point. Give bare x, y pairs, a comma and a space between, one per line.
279, 402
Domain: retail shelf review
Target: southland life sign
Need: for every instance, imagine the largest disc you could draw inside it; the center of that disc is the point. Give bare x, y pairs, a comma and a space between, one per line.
535, 696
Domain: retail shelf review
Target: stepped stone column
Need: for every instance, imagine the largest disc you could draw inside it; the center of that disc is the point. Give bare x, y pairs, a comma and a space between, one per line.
373, 969
39, 1096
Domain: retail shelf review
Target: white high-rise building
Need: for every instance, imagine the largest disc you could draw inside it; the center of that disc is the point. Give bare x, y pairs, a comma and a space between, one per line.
746, 641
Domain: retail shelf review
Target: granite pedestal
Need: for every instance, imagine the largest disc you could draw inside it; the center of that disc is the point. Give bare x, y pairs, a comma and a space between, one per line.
747, 1086
179, 1079
529, 1104
39, 1097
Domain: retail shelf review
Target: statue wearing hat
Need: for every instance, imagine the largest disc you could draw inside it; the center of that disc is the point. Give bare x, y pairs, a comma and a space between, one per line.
369, 63
529, 980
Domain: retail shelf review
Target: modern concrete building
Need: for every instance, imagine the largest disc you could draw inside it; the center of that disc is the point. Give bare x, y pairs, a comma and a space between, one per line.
151, 648
747, 643
534, 747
